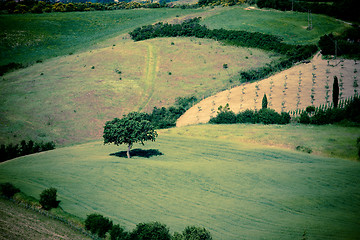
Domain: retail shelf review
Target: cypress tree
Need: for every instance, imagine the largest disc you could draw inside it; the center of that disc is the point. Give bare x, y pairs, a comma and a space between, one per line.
264, 102
335, 92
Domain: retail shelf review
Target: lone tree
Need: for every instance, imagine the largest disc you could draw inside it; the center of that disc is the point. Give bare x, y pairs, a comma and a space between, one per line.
132, 128
335, 92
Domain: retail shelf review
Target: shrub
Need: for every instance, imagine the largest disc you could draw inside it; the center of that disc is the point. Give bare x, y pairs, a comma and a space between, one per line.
196, 233
248, 116
8, 190
48, 199
97, 224
118, 233
285, 118
269, 116
150, 231
227, 117
304, 118
358, 145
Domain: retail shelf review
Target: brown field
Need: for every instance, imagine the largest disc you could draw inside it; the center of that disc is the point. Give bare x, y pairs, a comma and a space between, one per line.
18, 223
288, 90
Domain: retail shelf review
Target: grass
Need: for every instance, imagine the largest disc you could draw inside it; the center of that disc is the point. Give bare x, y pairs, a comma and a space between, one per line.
31, 37
289, 25
68, 99
235, 188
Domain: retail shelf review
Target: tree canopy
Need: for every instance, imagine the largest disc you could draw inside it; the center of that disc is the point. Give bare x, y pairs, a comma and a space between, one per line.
132, 128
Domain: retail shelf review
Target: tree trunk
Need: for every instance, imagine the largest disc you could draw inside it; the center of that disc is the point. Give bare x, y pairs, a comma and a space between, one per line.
128, 151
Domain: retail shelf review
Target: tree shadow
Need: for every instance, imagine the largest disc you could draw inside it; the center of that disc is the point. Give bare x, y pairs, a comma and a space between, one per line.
139, 153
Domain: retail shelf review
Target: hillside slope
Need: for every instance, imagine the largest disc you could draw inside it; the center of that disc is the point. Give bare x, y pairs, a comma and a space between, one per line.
237, 189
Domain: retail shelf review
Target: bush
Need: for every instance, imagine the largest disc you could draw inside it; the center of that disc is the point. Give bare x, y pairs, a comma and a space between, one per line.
8, 190
118, 233
48, 199
97, 224
269, 116
196, 233
248, 116
358, 145
150, 231
304, 118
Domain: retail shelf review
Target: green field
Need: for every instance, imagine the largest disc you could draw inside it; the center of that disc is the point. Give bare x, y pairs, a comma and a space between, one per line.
31, 37
238, 189
291, 26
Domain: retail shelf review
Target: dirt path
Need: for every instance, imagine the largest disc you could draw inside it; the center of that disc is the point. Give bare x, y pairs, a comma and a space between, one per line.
152, 68
296, 88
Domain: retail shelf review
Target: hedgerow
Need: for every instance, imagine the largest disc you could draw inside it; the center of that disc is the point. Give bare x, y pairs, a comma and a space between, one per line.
24, 148
192, 28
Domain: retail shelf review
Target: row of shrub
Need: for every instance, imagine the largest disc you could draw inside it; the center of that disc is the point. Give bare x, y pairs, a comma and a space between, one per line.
349, 113
264, 116
343, 9
224, 3
100, 225
192, 28
24, 148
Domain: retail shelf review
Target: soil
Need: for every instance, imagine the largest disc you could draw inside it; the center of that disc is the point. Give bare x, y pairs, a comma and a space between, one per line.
294, 89
18, 223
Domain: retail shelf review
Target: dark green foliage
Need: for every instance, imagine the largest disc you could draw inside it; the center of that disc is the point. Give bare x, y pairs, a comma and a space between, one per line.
98, 224
10, 67
358, 145
8, 190
196, 233
347, 43
118, 233
24, 148
310, 109
166, 117
132, 128
264, 116
348, 7
335, 92
348, 113
150, 231
48, 199
304, 118
264, 103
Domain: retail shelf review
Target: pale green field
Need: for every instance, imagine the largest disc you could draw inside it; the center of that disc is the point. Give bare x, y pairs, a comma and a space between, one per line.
234, 188
68, 99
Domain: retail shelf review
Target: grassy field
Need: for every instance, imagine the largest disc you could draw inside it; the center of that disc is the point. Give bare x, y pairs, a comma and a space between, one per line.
69, 99
289, 25
235, 187
31, 37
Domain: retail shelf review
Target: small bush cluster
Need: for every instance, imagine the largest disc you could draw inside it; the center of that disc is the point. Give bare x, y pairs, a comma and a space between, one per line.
350, 113
265, 116
166, 117
48, 199
8, 190
97, 224
24, 148
101, 225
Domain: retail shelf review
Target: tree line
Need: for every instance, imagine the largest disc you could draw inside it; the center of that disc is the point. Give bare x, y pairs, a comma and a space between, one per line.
343, 9
34, 6
11, 151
